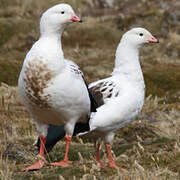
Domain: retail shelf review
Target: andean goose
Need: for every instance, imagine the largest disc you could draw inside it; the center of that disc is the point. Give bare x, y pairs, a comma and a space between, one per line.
51, 87
120, 97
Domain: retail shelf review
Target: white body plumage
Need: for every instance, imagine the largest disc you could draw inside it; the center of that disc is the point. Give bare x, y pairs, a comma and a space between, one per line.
51, 87
122, 94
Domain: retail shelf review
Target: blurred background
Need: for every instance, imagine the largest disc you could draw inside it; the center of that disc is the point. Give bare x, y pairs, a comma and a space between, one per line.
148, 148
92, 44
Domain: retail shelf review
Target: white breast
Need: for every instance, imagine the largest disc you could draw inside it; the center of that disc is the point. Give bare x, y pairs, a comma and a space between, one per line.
51, 91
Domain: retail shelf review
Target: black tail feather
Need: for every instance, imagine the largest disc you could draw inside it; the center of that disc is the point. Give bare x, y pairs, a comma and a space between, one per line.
56, 133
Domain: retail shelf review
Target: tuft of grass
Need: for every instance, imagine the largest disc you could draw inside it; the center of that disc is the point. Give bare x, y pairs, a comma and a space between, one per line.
5, 169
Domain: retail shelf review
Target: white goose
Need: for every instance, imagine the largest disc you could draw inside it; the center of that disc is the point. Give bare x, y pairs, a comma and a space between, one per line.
120, 97
51, 87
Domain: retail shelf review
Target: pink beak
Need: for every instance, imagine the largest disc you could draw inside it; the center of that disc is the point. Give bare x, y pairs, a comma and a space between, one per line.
76, 19
153, 40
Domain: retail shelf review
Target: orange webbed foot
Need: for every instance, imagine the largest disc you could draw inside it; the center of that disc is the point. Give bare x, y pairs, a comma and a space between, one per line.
112, 165
61, 163
38, 165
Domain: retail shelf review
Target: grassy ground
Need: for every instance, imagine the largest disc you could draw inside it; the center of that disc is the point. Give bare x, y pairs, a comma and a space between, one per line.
149, 148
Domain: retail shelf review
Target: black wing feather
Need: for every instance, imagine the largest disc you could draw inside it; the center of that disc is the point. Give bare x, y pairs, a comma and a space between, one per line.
94, 102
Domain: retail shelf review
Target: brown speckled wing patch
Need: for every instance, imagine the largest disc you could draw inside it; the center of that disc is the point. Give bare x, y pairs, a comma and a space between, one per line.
102, 91
37, 77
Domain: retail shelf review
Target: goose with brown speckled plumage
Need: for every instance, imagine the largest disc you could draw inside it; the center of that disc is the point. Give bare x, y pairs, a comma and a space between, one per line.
52, 88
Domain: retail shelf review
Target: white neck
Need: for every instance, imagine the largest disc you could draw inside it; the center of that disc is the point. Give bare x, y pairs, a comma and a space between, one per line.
50, 42
47, 30
127, 62
56, 36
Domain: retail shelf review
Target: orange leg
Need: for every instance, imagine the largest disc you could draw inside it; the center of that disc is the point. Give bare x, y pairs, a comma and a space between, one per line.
65, 161
111, 162
97, 154
40, 162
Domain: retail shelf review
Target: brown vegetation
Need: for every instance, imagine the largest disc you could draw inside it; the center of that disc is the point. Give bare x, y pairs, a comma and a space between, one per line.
149, 148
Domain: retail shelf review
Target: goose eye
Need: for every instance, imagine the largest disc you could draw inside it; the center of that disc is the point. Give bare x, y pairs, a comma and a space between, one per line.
141, 34
62, 12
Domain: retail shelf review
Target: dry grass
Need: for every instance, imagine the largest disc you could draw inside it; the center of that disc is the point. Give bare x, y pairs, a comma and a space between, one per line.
149, 148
